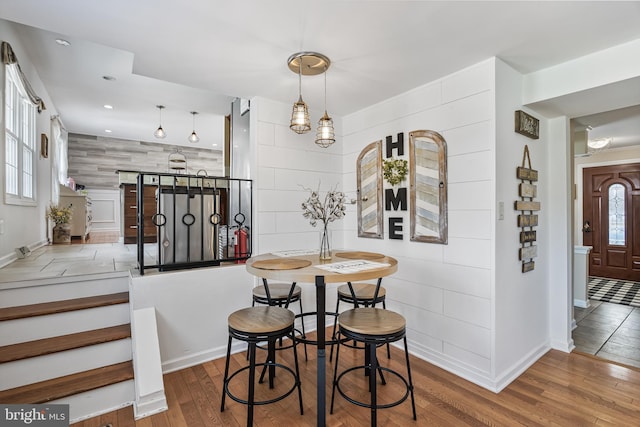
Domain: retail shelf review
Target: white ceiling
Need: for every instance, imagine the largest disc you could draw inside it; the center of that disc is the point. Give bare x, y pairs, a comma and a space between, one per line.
198, 55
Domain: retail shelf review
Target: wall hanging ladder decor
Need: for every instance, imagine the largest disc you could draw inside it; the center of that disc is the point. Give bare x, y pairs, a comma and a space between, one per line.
527, 220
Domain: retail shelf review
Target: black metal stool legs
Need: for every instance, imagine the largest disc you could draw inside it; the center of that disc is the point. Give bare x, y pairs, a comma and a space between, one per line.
358, 319
253, 326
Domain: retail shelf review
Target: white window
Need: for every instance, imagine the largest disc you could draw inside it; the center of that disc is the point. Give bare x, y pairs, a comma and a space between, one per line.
20, 144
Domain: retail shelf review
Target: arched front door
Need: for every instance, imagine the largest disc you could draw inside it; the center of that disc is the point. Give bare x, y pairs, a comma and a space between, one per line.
611, 220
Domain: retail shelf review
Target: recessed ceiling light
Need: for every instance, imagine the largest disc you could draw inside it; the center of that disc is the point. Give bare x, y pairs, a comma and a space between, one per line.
107, 130
63, 42
109, 78
215, 145
108, 107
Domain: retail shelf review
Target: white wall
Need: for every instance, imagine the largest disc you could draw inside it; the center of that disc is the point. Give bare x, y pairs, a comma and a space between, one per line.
444, 291
192, 307
26, 225
287, 165
521, 310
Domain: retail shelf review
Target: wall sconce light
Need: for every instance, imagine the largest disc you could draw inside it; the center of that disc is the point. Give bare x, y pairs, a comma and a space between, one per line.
160, 133
194, 137
308, 64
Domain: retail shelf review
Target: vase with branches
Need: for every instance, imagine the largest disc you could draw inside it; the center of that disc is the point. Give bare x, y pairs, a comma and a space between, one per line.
326, 211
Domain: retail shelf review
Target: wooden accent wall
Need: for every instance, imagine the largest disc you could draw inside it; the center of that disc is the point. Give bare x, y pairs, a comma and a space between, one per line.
93, 160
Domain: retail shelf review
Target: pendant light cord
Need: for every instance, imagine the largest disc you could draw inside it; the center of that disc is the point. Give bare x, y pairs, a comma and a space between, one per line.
300, 78
325, 89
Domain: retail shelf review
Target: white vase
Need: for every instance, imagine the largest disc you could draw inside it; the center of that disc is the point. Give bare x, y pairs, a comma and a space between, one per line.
325, 243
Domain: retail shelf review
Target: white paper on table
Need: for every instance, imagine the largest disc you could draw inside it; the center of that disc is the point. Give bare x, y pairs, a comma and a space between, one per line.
352, 266
296, 252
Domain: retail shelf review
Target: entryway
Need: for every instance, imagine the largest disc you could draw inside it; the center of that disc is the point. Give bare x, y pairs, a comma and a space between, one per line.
610, 327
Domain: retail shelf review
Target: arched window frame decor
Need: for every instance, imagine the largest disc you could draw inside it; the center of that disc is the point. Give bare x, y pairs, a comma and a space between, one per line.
369, 181
428, 187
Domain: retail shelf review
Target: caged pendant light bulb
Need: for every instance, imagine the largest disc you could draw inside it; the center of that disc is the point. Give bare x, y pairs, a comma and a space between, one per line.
194, 137
310, 64
160, 133
300, 122
325, 135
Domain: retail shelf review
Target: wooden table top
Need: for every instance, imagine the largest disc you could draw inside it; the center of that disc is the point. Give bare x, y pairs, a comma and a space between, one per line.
308, 273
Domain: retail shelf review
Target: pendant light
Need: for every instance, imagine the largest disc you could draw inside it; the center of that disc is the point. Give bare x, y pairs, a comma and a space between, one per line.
308, 64
300, 122
325, 135
160, 133
194, 137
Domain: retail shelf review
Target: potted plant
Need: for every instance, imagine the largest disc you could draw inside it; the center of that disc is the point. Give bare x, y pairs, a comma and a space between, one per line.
61, 217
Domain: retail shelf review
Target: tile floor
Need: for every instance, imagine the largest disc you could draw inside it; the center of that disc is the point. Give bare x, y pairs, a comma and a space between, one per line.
610, 331
606, 330
100, 254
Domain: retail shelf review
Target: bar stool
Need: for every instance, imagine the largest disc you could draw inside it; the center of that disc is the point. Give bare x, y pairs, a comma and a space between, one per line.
373, 327
365, 294
253, 325
280, 295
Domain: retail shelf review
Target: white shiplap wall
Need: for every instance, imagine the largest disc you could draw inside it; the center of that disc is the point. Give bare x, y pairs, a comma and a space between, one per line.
444, 291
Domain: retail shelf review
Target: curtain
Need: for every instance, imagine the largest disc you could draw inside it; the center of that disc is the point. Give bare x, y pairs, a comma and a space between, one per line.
12, 66
58, 149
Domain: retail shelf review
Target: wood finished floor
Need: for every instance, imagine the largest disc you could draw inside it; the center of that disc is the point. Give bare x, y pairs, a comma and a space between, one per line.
560, 389
610, 331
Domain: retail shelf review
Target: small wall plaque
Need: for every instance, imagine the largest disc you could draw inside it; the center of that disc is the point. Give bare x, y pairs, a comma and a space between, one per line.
44, 145
527, 125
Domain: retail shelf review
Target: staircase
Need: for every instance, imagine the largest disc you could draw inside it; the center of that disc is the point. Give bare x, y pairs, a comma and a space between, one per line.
67, 340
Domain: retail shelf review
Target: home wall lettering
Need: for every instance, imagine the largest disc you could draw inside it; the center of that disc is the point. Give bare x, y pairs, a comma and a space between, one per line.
395, 200
427, 196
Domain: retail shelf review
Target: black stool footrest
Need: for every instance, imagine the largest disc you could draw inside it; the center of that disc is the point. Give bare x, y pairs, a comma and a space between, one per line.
303, 338
262, 402
368, 405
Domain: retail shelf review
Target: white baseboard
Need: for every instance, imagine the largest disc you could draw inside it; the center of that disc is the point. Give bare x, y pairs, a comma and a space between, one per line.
581, 303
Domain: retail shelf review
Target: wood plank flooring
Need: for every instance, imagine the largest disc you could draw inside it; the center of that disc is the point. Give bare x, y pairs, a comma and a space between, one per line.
560, 389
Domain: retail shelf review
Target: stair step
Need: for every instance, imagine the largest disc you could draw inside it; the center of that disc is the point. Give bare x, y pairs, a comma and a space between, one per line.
58, 388
23, 311
44, 346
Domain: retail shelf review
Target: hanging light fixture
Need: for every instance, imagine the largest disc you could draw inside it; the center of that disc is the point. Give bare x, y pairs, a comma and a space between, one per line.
325, 135
194, 137
300, 122
160, 133
308, 64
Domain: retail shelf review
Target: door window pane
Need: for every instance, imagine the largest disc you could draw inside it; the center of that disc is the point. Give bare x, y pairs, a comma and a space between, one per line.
616, 215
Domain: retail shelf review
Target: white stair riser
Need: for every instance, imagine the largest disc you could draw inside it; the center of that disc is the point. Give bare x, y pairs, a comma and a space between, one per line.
52, 325
57, 289
41, 368
100, 401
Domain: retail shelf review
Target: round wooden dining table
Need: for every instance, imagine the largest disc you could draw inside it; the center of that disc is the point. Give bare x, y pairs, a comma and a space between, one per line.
305, 267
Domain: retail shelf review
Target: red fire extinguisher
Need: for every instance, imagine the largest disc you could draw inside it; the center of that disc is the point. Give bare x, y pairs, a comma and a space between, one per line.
241, 237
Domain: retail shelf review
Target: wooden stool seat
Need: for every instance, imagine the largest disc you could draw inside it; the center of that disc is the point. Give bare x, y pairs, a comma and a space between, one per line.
261, 320
372, 321
363, 291
360, 294
278, 291
280, 295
